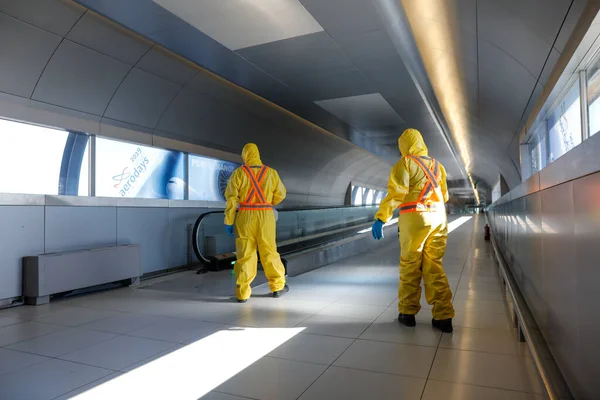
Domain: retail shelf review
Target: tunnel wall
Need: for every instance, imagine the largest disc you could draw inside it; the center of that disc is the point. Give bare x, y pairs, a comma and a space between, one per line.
64, 66
67, 67
549, 231
34, 224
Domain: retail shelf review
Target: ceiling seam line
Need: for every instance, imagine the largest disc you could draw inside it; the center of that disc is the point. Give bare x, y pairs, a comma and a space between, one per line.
54, 52
541, 72
123, 80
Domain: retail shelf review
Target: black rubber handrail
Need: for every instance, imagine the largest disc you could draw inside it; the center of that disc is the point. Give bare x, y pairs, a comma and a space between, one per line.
196, 230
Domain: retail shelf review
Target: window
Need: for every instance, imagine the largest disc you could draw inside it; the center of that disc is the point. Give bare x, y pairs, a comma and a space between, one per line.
369, 196
357, 195
380, 197
537, 149
593, 93
31, 158
133, 171
208, 178
564, 125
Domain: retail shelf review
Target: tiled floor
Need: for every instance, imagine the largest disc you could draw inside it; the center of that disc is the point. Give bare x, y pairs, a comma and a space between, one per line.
334, 336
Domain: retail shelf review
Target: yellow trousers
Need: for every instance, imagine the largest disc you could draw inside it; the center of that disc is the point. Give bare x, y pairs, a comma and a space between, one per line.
423, 237
256, 229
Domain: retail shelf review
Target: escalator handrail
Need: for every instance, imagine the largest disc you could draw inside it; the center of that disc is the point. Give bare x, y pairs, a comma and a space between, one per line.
202, 216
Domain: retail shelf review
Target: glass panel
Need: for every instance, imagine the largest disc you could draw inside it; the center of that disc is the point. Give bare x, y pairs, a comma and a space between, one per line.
593, 87
34, 155
357, 195
130, 170
208, 178
538, 149
564, 125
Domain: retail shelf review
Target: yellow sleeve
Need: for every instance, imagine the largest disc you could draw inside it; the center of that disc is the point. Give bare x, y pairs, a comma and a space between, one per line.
232, 197
280, 190
444, 184
398, 186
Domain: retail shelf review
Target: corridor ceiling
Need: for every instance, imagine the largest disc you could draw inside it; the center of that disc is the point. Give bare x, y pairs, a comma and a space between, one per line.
336, 64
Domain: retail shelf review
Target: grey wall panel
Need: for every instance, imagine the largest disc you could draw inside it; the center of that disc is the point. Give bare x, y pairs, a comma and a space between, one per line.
587, 249
165, 65
80, 228
25, 51
21, 234
55, 16
148, 228
94, 32
560, 283
79, 78
141, 99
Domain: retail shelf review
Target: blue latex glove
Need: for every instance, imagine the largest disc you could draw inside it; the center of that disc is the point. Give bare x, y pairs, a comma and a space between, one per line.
230, 231
377, 230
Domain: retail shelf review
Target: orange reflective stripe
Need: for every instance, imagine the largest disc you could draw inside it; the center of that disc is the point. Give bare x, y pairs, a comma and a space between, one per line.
432, 177
256, 190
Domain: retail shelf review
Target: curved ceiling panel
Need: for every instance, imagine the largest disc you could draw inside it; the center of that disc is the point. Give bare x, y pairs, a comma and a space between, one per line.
30, 48
80, 79
141, 99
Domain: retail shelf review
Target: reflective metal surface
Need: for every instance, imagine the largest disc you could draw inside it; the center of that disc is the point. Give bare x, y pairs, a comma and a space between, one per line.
550, 240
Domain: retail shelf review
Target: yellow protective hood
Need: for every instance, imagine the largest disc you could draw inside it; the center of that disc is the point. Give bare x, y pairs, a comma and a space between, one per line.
411, 143
250, 155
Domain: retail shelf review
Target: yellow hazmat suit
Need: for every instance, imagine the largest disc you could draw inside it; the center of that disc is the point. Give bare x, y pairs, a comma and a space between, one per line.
255, 194
417, 186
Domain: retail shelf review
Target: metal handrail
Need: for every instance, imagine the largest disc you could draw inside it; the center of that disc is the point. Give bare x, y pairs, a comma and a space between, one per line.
521, 308
203, 258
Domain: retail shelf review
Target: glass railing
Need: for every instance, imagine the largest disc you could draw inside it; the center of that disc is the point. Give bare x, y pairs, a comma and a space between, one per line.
297, 229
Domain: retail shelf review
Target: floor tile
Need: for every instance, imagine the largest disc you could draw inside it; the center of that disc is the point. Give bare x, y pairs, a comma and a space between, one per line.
391, 358
215, 313
62, 342
6, 321
221, 396
122, 323
273, 379
481, 320
74, 316
353, 311
11, 361
315, 349
178, 330
394, 332
435, 390
119, 352
484, 369
484, 340
489, 295
85, 388
349, 384
153, 358
335, 326
485, 307
28, 313
27, 330
52, 378
271, 318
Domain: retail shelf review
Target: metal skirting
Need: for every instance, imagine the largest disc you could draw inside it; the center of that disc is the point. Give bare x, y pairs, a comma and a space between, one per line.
528, 331
49, 274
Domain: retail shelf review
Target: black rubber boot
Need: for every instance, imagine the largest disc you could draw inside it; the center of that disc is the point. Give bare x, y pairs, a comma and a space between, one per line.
281, 292
445, 325
242, 301
407, 319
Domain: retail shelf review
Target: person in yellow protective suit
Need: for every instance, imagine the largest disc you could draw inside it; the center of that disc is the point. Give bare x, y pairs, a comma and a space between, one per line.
255, 188
417, 186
